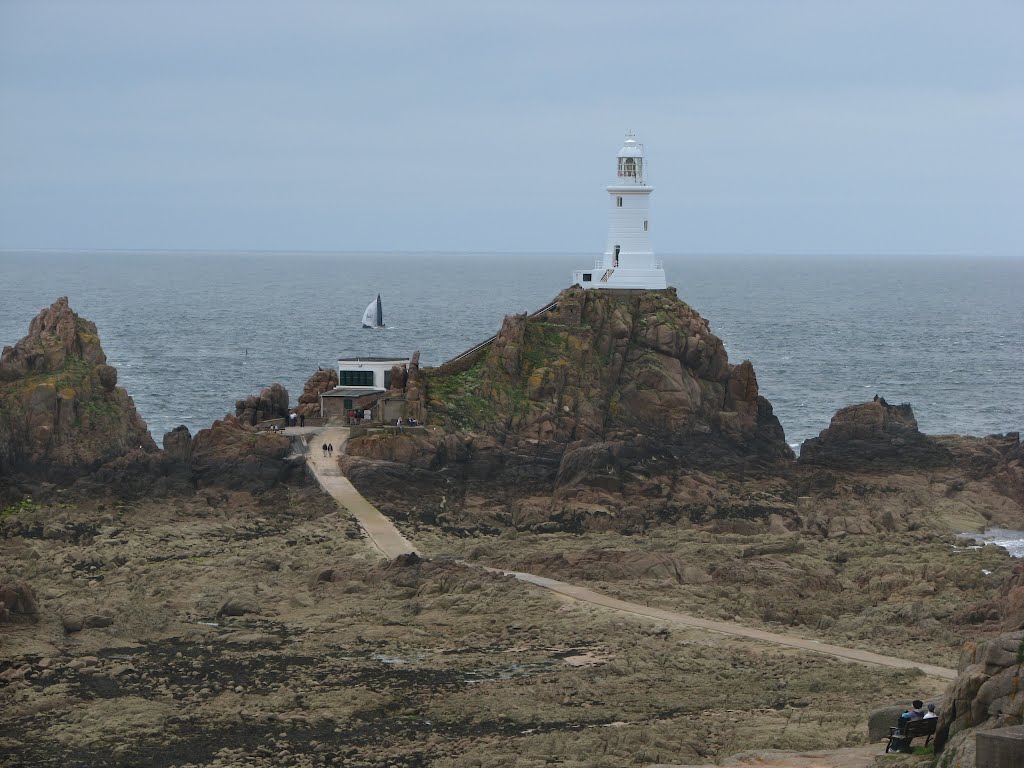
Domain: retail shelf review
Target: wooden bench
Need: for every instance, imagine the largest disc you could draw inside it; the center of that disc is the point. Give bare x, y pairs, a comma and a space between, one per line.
901, 735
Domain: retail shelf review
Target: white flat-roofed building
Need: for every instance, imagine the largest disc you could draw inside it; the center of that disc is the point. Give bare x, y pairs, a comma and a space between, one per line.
628, 260
361, 382
368, 372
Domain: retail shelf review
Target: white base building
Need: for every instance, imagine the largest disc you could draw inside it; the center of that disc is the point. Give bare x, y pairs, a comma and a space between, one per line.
628, 261
361, 382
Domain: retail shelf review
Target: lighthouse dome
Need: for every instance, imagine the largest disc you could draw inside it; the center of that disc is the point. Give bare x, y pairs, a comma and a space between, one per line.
631, 149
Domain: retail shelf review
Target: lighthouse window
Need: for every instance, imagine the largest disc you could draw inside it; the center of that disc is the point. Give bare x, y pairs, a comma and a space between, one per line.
618, 201
628, 167
645, 225
586, 277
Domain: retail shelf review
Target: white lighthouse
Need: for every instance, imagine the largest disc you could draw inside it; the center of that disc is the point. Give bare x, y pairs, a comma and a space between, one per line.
628, 260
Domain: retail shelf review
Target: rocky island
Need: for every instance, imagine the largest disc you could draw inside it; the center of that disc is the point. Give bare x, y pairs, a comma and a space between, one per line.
208, 604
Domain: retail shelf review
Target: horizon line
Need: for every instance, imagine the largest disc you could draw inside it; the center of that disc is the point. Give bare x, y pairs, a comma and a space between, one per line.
460, 252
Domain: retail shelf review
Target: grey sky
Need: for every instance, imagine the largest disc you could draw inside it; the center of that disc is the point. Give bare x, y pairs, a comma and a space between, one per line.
771, 127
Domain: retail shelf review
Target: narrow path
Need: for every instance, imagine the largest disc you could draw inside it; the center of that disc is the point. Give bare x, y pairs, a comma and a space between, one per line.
584, 595
381, 532
386, 538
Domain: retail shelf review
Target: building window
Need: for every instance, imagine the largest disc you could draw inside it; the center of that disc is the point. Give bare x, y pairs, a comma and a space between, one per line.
645, 225
387, 379
356, 379
586, 277
618, 201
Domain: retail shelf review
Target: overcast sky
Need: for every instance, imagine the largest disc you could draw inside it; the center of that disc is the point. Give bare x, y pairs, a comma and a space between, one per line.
771, 127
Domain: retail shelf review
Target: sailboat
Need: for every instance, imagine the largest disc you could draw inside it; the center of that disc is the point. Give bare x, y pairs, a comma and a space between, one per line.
373, 317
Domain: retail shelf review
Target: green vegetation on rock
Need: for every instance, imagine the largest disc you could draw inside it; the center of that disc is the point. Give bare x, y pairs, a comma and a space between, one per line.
18, 507
543, 345
462, 399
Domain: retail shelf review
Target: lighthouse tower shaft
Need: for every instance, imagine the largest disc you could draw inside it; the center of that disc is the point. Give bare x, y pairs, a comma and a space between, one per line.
628, 261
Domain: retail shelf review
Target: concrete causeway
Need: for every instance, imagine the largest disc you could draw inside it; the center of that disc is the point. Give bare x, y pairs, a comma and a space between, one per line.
386, 538
381, 532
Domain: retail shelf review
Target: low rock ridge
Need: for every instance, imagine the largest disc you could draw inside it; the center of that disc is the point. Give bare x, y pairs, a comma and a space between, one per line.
232, 455
874, 435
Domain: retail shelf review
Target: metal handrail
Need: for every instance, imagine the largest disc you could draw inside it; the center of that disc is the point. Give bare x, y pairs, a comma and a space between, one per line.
488, 342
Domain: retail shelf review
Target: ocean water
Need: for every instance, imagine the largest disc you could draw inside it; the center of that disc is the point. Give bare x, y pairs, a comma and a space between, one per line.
1010, 540
192, 332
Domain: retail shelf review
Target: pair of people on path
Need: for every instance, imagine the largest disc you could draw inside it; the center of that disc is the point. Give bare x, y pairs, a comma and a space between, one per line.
328, 449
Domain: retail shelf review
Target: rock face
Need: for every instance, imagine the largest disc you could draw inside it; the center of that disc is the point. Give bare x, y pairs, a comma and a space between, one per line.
17, 603
270, 403
985, 695
323, 380
178, 444
608, 366
1010, 474
61, 411
232, 455
874, 435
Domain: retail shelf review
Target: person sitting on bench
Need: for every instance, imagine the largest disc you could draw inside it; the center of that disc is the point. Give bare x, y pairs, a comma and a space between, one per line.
916, 712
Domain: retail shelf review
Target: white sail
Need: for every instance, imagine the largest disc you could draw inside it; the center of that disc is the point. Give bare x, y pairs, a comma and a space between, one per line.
370, 315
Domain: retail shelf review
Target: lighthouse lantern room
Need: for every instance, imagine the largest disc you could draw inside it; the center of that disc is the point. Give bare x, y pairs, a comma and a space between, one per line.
628, 260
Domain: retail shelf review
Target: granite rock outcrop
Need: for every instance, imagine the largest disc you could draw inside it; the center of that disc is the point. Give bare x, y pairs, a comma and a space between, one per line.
64, 421
605, 366
270, 403
61, 411
874, 435
597, 398
231, 454
324, 380
985, 695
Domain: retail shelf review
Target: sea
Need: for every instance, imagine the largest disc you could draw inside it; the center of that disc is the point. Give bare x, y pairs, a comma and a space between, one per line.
191, 332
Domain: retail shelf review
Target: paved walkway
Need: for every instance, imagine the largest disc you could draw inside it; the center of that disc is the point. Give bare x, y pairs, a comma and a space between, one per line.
584, 595
386, 538
381, 532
